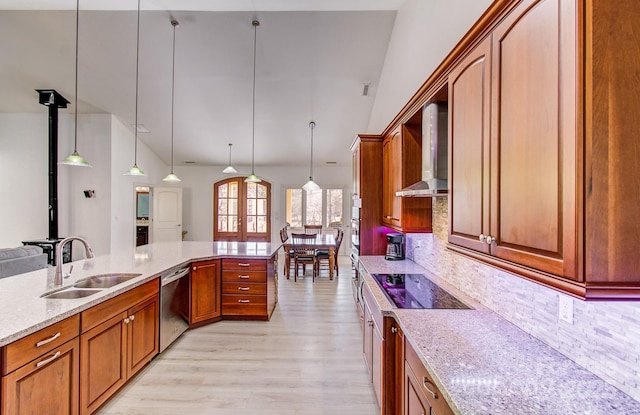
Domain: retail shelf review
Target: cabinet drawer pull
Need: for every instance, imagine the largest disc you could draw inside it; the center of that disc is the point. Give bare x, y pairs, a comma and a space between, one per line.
244, 277
394, 329
133, 316
242, 264
429, 387
49, 340
244, 288
50, 359
244, 301
127, 320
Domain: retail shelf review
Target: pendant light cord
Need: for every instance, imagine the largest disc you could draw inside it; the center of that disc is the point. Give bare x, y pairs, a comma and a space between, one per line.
230, 153
135, 151
312, 126
75, 139
255, 24
175, 24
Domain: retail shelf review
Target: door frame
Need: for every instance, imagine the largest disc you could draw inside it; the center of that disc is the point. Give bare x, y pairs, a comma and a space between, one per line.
243, 235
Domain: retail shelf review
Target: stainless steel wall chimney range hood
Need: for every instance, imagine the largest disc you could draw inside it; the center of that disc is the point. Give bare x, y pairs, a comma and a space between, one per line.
434, 154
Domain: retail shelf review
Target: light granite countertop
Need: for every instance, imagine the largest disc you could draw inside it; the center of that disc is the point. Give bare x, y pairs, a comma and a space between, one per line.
483, 364
23, 312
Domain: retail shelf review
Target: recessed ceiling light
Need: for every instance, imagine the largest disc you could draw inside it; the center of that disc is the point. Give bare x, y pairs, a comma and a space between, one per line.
332, 162
189, 162
141, 128
365, 90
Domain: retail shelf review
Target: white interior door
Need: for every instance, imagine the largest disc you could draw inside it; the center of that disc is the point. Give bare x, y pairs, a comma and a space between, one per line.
167, 214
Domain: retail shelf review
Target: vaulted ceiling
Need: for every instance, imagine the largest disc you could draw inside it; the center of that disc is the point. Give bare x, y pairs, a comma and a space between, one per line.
314, 58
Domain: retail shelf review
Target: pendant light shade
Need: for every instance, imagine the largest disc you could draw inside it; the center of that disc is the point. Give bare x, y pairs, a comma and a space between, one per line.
76, 159
171, 177
135, 170
229, 169
252, 177
311, 185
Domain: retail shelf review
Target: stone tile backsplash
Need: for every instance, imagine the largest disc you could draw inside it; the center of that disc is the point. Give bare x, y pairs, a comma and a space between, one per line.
604, 336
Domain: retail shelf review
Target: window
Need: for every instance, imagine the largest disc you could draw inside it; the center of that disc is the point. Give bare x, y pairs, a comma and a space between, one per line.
318, 207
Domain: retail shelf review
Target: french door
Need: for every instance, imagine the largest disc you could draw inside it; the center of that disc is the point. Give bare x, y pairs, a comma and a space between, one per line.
241, 211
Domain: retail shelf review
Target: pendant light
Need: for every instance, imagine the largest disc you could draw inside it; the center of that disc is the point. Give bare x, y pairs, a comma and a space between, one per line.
76, 159
135, 170
252, 177
171, 177
311, 185
229, 169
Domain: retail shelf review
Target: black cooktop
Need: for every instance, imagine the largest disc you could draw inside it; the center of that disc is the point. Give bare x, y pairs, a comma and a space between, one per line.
416, 291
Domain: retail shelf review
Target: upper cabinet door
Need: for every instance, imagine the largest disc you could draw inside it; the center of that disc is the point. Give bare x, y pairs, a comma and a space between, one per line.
469, 104
533, 129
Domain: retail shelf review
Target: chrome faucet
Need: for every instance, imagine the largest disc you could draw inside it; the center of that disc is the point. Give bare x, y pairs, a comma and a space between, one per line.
58, 278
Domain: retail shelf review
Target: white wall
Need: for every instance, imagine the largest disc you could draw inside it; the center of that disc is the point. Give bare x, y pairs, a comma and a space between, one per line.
23, 178
24, 182
123, 187
78, 215
423, 35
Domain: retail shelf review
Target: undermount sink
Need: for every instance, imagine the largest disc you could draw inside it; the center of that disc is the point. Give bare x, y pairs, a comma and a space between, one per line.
104, 280
69, 294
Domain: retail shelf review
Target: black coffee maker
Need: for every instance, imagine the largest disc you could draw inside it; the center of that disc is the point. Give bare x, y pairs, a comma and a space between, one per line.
395, 246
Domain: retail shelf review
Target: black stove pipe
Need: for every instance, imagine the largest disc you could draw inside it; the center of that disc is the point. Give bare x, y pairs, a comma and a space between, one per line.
53, 100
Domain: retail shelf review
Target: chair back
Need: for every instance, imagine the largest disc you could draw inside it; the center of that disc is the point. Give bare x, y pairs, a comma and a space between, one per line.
303, 244
313, 229
283, 235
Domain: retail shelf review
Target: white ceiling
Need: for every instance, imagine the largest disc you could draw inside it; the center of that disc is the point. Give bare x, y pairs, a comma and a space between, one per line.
313, 58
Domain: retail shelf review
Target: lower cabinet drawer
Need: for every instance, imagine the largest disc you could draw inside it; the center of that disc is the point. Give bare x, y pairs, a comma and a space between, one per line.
244, 276
427, 385
244, 305
43, 341
243, 288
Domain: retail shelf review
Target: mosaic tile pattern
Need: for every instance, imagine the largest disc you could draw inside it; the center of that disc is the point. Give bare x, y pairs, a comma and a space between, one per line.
604, 337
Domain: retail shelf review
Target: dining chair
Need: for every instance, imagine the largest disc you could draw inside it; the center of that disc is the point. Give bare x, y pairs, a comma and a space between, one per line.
313, 229
288, 255
304, 253
323, 255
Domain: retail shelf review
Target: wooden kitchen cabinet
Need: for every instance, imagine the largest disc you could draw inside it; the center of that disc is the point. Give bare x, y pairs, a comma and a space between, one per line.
513, 158
249, 288
40, 372
118, 338
367, 180
402, 165
373, 344
205, 292
469, 142
421, 395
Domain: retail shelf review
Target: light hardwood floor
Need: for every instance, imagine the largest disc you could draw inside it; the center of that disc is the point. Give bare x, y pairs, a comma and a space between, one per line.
306, 360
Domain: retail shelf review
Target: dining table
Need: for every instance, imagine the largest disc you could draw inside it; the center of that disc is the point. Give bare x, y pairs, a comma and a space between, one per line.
320, 242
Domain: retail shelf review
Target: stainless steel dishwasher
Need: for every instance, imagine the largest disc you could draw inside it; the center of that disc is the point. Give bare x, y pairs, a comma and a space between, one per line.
174, 306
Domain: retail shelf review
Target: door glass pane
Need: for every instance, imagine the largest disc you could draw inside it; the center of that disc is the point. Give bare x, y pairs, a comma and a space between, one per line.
222, 223
233, 190
222, 206
251, 190
251, 224
262, 191
233, 224
314, 208
251, 206
223, 190
334, 207
294, 208
233, 206
262, 224
261, 206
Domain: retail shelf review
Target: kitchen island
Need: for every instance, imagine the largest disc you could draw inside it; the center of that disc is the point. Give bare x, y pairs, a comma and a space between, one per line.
23, 312
483, 364
94, 334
